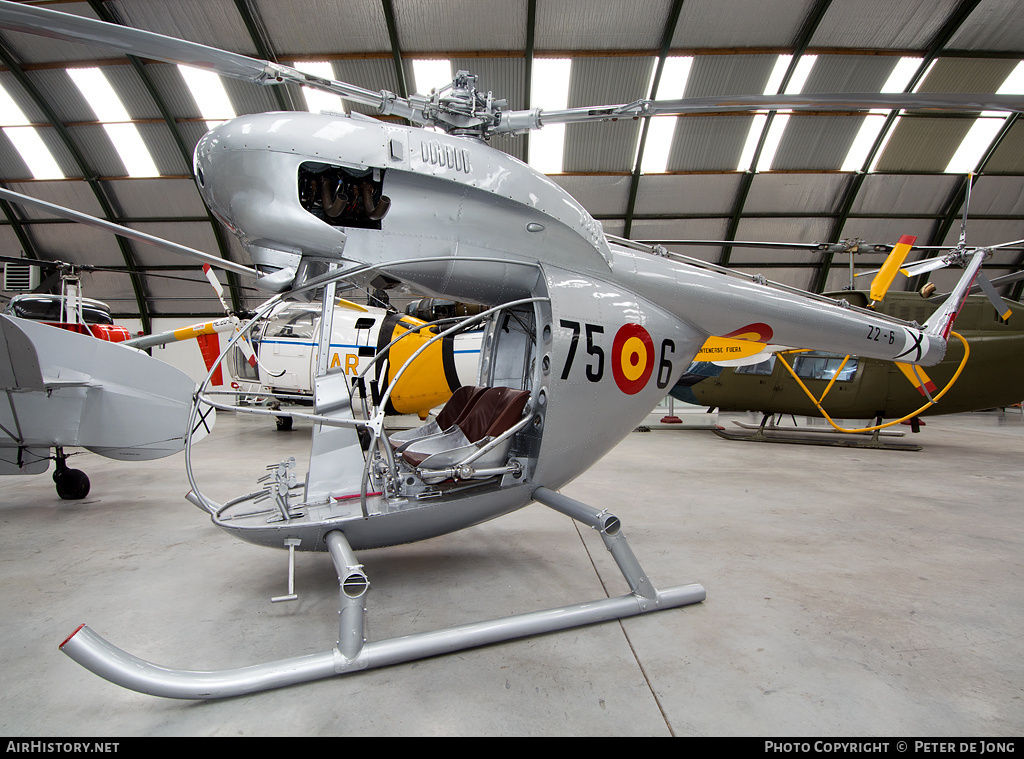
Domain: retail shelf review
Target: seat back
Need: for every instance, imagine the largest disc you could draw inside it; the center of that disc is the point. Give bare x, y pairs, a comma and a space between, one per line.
475, 424
511, 412
458, 405
497, 409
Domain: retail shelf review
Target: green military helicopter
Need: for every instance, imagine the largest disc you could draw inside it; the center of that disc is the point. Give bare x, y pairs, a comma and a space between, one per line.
983, 369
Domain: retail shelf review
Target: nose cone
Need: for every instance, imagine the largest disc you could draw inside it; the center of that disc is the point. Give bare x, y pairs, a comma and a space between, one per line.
204, 172
247, 171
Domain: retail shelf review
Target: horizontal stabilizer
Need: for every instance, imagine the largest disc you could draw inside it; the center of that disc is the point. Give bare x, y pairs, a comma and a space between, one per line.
68, 389
717, 349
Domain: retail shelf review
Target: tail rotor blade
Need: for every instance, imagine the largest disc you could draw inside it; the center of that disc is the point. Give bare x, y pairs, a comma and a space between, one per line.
218, 288
993, 295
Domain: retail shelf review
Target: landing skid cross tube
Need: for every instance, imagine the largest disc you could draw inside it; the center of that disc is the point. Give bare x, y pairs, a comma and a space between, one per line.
353, 654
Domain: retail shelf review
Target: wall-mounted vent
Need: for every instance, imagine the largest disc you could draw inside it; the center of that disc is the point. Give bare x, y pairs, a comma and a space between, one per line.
20, 277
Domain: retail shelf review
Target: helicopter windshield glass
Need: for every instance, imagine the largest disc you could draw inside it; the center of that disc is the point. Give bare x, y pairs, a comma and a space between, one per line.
824, 366
48, 309
295, 325
764, 367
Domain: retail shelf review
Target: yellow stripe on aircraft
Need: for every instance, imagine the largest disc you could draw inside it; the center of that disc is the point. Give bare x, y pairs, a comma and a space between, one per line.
727, 348
187, 333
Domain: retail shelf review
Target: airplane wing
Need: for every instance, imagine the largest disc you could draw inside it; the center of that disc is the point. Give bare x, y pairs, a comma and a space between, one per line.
66, 389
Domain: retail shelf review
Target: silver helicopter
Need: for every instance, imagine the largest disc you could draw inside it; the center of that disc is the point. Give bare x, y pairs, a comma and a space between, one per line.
584, 333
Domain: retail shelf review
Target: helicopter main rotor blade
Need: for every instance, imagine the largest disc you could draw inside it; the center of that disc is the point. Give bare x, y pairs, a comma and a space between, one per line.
131, 234
463, 110
842, 246
751, 103
64, 26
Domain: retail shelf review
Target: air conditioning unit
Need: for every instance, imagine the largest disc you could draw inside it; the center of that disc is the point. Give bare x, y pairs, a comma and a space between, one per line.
20, 277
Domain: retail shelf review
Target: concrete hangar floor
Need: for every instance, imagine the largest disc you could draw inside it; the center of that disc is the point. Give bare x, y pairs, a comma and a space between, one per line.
849, 593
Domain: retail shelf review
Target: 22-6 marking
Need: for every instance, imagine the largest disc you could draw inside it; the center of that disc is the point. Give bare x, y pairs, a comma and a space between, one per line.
874, 333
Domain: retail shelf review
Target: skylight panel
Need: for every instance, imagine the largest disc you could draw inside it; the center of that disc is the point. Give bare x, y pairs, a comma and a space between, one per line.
985, 128
26, 140
750, 146
318, 101
672, 86
550, 91
209, 95
887, 135
781, 119
875, 120
431, 75
757, 125
109, 110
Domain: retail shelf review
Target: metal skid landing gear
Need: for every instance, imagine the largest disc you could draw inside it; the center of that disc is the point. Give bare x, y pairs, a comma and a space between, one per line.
353, 653
770, 432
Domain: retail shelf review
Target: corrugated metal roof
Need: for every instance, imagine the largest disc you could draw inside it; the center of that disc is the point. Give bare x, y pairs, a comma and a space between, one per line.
705, 24
600, 25
216, 23
696, 194
1008, 157
849, 73
597, 81
316, 27
968, 74
193, 234
158, 198
76, 243
779, 230
998, 195
444, 26
603, 195
712, 143
882, 24
70, 194
65, 98
903, 194
614, 47
31, 49
813, 193
919, 143
993, 25
886, 231
740, 74
817, 143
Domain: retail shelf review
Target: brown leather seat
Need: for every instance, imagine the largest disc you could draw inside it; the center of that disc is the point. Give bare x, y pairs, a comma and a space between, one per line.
493, 412
455, 409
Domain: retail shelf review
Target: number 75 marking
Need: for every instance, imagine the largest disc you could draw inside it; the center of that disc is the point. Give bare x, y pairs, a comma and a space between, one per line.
596, 364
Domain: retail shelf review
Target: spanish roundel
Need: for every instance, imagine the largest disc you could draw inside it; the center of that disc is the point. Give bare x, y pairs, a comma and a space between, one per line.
632, 358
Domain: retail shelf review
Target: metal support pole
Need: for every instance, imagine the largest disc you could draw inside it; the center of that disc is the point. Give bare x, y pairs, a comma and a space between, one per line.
611, 533
352, 587
292, 544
